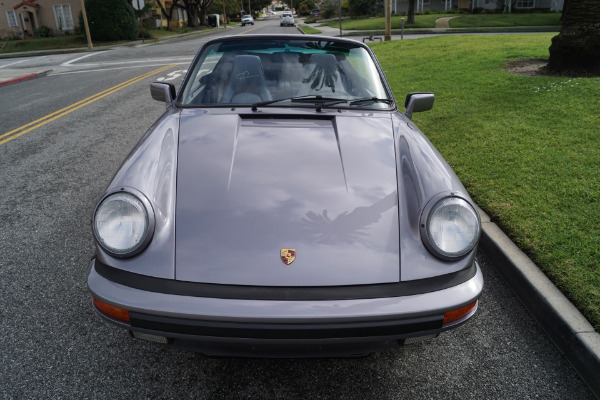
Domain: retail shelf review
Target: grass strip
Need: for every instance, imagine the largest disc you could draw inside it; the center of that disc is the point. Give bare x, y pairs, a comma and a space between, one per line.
309, 30
459, 21
526, 147
421, 21
505, 20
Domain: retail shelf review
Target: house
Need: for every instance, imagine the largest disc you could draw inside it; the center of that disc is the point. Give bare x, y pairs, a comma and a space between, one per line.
24, 18
401, 6
178, 19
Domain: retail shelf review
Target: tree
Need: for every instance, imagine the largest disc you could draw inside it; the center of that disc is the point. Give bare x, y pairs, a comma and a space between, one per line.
331, 8
361, 7
576, 49
306, 7
232, 7
410, 19
169, 14
111, 20
191, 7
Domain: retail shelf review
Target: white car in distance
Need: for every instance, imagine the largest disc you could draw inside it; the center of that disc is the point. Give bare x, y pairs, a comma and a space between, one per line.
247, 20
286, 19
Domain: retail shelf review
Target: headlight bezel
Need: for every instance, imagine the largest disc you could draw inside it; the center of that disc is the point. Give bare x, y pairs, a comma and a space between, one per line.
424, 225
150, 223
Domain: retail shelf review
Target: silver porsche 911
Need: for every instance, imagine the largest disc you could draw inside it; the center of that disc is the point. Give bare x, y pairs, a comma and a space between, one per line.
284, 206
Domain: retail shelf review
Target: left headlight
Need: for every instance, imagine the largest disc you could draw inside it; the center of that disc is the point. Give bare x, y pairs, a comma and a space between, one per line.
450, 227
123, 223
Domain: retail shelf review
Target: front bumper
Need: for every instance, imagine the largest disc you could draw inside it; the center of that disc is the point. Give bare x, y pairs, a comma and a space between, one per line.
281, 328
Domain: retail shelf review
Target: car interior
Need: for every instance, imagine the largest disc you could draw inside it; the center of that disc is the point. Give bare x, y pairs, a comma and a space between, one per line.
244, 78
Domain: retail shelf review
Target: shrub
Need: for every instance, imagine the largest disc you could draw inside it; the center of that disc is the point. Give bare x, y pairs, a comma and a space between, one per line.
111, 20
44, 31
306, 7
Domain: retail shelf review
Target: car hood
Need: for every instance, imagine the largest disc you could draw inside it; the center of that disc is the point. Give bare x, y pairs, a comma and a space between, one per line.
249, 186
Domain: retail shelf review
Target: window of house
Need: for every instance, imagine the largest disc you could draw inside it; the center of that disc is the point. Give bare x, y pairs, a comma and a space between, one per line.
525, 3
63, 17
12, 19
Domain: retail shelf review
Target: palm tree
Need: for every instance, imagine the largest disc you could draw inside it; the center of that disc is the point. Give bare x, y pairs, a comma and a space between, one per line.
576, 49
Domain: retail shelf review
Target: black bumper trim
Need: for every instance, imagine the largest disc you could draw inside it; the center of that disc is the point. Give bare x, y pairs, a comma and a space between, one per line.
290, 331
241, 292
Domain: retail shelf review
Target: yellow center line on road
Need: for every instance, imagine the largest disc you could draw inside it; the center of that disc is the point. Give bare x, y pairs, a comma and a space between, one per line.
249, 30
15, 133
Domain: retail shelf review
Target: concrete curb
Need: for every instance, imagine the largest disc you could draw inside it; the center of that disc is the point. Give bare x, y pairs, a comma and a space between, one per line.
25, 77
568, 329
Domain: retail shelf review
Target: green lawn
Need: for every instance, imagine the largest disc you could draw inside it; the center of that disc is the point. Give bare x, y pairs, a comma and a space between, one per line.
421, 21
309, 30
460, 21
526, 148
505, 20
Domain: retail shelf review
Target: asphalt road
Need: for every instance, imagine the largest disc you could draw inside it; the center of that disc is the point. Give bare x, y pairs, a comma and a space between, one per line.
52, 345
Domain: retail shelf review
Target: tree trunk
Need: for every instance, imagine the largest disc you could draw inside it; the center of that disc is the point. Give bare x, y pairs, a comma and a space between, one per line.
411, 12
201, 10
576, 49
169, 14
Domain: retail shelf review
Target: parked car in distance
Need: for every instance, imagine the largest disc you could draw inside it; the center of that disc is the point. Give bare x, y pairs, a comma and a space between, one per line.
247, 19
283, 206
315, 13
286, 19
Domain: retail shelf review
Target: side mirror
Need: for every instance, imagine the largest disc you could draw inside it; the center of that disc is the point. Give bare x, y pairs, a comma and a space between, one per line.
418, 102
163, 92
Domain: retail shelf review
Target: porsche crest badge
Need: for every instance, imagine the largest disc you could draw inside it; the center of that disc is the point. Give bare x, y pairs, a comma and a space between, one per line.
288, 256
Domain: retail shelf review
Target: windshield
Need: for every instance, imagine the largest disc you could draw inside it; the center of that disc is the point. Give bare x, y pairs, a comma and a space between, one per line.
247, 72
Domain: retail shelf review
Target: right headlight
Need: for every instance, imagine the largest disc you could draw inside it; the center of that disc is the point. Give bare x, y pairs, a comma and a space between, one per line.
123, 223
450, 228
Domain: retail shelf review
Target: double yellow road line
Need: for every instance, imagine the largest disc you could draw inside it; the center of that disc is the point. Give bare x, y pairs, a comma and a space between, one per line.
15, 133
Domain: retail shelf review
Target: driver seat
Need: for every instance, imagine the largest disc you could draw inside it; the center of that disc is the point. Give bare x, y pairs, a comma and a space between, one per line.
247, 82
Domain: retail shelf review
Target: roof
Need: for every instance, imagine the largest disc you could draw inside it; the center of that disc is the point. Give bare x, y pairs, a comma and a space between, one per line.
25, 3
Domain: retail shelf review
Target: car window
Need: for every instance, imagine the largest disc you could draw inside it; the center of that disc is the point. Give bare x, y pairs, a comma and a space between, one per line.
246, 72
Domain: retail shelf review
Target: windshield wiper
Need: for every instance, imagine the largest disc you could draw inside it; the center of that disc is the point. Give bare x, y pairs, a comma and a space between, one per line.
299, 99
373, 99
352, 102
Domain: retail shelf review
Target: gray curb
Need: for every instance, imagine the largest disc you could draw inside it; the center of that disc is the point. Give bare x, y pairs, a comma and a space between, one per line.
568, 329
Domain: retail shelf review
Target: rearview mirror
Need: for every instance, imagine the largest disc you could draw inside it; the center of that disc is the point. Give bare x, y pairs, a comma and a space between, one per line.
163, 92
418, 102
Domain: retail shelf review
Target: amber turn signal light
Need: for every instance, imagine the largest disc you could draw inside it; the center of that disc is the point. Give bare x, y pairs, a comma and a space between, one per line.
111, 311
453, 315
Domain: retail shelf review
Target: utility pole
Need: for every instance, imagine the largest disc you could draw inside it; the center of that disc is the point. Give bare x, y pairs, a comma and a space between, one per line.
388, 20
87, 27
340, 16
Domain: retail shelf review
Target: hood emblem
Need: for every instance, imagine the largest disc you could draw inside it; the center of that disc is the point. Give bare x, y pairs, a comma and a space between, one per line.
288, 256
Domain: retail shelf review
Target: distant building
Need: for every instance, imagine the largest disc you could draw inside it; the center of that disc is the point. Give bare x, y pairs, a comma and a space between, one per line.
401, 6
25, 18
178, 19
